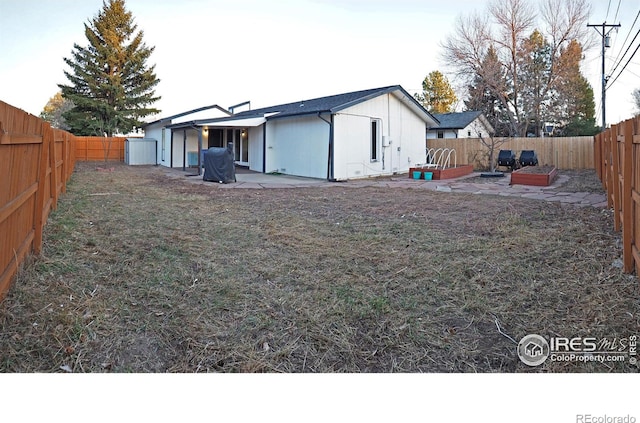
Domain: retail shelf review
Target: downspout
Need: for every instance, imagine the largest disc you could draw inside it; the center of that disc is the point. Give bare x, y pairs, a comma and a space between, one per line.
330, 176
388, 127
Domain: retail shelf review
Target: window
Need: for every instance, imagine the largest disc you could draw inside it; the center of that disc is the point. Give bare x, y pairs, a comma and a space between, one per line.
469, 134
440, 134
375, 139
215, 138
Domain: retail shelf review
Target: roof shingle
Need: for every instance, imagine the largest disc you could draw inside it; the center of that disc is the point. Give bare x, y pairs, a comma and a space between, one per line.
456, 120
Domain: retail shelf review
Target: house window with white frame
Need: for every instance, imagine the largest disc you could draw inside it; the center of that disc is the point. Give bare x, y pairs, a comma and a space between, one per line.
376, 130
440, 134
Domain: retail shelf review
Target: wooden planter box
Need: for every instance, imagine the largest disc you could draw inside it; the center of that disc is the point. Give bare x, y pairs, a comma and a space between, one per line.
448, 173
541, 176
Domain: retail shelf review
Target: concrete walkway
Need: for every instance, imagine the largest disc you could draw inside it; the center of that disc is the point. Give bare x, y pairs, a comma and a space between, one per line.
497, 186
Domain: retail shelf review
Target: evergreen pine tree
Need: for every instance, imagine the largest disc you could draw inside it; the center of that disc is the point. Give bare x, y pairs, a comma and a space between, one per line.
575, 107
488, 93
437, 94
111, 86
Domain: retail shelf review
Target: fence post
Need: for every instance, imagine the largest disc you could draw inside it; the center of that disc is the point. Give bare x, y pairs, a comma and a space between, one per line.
627, 181
44, 160
65, 160
614, 190
610, 168
596, 156
54, 170
72, 157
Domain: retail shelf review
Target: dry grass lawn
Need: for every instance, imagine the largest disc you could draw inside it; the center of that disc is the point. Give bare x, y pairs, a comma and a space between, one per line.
142, 273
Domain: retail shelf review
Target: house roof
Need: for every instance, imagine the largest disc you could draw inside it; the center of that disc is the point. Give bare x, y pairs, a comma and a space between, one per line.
456, 120
329, 104
179, 115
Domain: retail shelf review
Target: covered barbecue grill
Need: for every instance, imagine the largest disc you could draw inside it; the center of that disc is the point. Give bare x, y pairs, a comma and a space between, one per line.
528, 158
219, 165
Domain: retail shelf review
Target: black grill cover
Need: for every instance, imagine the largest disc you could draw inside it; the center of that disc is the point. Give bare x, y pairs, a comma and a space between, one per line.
506, 158
528, 158
219, 165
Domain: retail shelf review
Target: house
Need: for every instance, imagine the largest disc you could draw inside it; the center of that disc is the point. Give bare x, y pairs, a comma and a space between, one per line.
157, 130
359, 134
471, 124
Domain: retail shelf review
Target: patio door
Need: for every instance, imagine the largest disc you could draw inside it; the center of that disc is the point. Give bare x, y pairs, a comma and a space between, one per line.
240, 139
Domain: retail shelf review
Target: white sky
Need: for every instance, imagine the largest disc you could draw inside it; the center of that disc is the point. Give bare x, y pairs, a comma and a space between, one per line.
271, 52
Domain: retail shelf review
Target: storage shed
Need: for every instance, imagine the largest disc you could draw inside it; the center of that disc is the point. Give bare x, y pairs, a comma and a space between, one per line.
140, 151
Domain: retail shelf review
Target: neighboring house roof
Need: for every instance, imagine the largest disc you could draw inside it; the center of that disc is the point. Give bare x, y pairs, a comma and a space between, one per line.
456, 120
460, 120
179, 115
329, 104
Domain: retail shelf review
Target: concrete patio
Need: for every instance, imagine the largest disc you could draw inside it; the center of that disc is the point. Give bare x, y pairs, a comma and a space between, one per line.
497, 186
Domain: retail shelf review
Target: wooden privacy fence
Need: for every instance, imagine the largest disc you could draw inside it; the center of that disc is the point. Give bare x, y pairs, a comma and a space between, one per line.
96, 148
561, 152
36, 162
617, 152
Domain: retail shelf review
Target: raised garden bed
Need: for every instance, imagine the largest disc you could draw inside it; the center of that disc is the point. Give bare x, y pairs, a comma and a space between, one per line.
448, 173
541, 176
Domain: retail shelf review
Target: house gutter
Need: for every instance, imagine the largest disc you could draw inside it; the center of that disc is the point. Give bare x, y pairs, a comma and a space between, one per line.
330, 173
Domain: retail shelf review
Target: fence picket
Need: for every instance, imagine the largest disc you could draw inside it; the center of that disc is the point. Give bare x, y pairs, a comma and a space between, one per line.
29, 155
561, 152
619, 171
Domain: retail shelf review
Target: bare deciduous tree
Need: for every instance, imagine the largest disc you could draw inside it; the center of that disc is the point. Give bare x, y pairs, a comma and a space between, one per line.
505, 27
514, 20
636, 98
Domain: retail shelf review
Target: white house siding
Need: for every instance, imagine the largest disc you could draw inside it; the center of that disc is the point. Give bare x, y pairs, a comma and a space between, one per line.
155, 131
476, 127
447, 133
298, 146
401, 127
256, 148
178, 146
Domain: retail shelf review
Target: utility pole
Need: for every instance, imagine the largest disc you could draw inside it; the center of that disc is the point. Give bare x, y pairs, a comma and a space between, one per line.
606, 29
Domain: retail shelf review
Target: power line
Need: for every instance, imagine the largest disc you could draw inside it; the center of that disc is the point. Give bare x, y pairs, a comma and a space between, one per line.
625, 65
625, 53
615, 40
617, 10
625, 41
606, 29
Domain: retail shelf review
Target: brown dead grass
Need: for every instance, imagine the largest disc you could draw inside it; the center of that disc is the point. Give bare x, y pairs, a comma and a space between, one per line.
142, 273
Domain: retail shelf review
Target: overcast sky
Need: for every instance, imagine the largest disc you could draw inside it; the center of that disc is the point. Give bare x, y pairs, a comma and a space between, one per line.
272, 52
